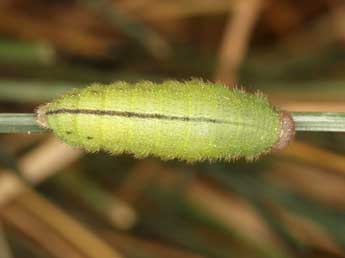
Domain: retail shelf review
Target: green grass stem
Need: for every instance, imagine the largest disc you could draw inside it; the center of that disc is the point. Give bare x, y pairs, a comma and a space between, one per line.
305, 121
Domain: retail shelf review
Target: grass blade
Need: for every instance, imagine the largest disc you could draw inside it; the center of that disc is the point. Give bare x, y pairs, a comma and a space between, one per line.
19, 123
319, 121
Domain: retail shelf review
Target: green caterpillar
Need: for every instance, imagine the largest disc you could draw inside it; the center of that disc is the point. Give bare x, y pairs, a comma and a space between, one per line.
192, 120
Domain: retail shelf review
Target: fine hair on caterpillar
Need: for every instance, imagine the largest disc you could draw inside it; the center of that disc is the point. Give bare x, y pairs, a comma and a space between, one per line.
191, 120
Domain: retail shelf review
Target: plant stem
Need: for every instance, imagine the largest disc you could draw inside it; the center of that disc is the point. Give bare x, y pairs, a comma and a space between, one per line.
19, 123
319, 121
305, 121
145, 35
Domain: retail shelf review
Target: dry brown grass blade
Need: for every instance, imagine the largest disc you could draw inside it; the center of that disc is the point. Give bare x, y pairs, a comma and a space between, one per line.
137, 179
112, 208
316, 156
232, 211
4, 246
322, 32
236, 214
73, 35
70, 229
24, 223
236, 39
281, 16
63, 225
127, 243
47, 159
17, 142
308, 232
314, 183
311, 181
37, 165
338, 17
10, 187
156, 11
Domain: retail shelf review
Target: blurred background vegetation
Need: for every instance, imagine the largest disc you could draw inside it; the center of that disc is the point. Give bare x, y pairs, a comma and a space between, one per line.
60, 202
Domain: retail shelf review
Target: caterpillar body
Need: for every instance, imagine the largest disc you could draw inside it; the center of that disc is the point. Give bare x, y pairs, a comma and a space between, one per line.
192, 120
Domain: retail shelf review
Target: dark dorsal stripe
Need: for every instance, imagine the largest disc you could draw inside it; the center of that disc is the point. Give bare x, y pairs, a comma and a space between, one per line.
138, 115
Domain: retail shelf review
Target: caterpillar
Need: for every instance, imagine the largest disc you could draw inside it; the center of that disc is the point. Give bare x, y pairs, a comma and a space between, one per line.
191, 120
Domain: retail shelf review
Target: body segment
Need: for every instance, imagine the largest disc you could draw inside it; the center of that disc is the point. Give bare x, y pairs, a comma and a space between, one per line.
190, 120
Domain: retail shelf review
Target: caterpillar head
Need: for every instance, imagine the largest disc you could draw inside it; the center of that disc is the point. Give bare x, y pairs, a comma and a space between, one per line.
41, 117
287, 131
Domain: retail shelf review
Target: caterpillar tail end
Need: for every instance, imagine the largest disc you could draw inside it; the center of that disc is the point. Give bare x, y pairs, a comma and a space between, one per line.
287, 131
41, 116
